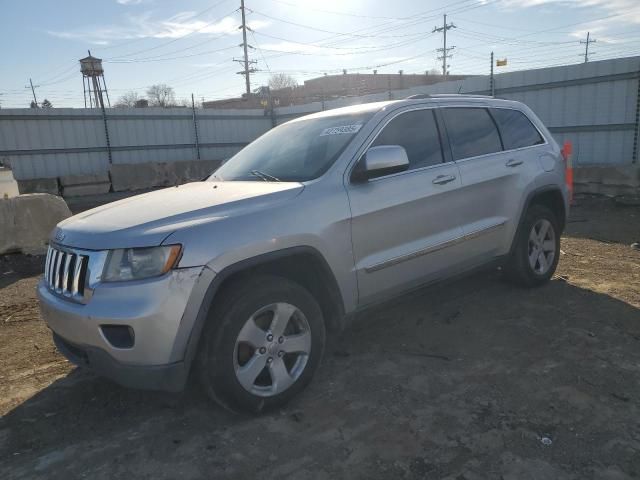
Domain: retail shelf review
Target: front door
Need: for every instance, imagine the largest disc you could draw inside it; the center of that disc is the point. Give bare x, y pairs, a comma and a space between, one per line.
403, 232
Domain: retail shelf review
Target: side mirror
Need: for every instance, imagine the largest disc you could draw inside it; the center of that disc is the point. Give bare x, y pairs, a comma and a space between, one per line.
379, 161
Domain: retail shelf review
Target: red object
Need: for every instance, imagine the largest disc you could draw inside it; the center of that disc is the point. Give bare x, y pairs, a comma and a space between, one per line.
567, 150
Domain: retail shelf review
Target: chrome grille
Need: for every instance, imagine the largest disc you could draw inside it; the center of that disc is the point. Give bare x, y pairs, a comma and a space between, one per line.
65, 272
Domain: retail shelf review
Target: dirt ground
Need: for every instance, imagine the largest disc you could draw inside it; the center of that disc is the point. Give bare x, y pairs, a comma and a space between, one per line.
475, 379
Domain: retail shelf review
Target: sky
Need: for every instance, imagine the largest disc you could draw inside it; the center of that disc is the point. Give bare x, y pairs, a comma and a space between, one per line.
190, 44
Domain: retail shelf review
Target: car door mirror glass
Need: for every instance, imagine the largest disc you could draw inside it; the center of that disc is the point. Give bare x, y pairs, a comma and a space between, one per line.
381, 160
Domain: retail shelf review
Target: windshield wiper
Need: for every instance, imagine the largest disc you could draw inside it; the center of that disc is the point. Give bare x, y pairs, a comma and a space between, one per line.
264, 176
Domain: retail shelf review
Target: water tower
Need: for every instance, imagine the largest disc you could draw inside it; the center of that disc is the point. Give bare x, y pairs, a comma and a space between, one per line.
93, 82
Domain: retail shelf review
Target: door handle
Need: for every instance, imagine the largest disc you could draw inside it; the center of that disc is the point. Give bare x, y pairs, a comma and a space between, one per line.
442, 179
513, 162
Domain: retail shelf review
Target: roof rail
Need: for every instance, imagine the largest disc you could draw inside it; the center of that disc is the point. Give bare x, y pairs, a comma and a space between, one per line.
445, 95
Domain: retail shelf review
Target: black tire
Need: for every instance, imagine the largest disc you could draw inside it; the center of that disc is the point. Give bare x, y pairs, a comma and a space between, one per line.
518, 268
234, 306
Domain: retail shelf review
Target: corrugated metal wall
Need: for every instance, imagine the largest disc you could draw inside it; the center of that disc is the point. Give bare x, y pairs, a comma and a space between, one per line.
595, 105
59, 142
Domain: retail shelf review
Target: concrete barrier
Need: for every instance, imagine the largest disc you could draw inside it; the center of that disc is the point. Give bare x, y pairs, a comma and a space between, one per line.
27, 220
612, 181
139, 176
39, 185
81, 185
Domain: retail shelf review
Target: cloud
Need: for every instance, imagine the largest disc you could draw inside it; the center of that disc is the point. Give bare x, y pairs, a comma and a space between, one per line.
612, 7
613, 13
144, 26
131, 2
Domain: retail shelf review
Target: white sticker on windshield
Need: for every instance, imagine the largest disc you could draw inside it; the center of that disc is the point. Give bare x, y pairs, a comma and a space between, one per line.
344, 129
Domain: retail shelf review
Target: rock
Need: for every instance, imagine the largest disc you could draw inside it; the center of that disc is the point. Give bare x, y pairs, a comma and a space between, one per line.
27, 221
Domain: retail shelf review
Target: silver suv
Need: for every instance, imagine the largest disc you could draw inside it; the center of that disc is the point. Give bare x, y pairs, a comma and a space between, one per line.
240, 275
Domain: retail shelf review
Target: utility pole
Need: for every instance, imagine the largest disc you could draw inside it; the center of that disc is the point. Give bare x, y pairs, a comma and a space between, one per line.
35, 100
245, 46
491, 83
586, 47
195, 126
444, 49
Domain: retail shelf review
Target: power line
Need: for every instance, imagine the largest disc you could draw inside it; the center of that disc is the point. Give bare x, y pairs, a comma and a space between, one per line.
136, 40
260, 51
161, 58
333, 12
208, 24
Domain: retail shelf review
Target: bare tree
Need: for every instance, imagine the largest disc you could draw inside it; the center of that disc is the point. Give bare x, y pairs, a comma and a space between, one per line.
161, 95
46, 104
129, 99
279, 81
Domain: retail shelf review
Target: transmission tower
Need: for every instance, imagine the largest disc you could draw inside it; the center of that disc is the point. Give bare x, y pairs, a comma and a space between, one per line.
445, 51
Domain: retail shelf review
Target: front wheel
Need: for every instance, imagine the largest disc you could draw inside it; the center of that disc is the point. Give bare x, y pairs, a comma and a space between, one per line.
262, 344
537, 249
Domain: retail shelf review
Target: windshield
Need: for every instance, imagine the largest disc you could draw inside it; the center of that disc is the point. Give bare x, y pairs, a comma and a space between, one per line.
294, 152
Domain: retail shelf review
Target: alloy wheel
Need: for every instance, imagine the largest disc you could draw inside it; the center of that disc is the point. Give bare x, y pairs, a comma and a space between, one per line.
272, 349
542, 246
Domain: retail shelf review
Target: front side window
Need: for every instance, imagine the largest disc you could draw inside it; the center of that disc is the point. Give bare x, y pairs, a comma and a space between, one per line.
297, 151
472, 132
417, 132
516, 129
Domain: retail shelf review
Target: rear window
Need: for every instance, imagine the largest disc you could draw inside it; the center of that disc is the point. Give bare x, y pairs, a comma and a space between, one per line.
472, 132
516, 129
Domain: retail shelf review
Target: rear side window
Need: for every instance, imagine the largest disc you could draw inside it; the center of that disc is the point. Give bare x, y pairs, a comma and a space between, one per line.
516, 129
417, 132
472, 132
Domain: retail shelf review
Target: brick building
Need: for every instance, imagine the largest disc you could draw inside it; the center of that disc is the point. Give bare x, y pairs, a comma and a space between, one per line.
328, 87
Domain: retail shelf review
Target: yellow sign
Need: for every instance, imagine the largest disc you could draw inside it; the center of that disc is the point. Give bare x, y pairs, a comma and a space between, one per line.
501, 63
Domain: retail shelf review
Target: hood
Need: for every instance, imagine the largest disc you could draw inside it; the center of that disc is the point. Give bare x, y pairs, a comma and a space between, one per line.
147, 219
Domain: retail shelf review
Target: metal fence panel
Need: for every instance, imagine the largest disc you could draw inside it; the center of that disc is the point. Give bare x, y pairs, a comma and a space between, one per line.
594, 105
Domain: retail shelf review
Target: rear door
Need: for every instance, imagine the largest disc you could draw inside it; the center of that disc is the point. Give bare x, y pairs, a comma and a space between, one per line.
492, 177
402, 232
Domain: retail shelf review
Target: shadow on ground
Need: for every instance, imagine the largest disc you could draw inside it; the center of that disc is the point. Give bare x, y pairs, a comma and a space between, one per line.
472, 379
14, 267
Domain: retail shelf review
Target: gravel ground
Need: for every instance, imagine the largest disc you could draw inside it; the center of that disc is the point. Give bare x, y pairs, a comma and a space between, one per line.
473, 379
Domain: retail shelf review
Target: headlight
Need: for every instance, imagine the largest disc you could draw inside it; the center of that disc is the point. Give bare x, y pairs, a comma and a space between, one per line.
138, 263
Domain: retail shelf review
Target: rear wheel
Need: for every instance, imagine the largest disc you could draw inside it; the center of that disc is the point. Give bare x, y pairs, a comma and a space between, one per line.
536, 252
262, 344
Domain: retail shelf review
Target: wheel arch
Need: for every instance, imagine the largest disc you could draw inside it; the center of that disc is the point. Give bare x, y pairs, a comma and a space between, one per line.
303, 264
551, 197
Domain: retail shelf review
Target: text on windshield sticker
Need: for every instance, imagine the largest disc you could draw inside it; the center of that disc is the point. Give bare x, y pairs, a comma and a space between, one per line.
344, 129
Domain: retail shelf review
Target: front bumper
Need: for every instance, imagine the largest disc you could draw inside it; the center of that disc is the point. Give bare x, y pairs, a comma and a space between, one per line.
159, 311
170, 378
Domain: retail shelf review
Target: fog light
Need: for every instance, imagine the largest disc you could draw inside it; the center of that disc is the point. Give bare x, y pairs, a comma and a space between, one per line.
119, 336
